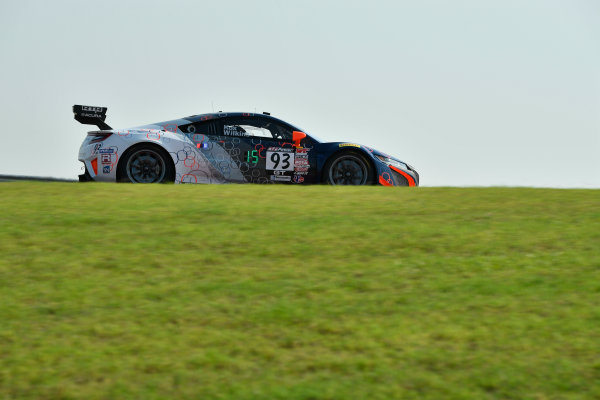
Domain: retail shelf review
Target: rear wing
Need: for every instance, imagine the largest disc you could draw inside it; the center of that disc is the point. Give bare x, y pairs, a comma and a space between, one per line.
90, 115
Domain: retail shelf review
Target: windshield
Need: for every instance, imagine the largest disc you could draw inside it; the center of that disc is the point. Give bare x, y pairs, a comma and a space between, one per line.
316, 139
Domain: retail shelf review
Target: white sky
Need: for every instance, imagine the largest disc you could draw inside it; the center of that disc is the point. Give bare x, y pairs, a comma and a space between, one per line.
470, 92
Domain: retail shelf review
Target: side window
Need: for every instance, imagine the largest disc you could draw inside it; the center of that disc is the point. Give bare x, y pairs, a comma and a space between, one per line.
241, 128
280, 131
199, 128
256, 127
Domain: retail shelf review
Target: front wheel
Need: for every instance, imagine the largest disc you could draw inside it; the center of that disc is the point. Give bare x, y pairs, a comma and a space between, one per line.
348, 169
146, 164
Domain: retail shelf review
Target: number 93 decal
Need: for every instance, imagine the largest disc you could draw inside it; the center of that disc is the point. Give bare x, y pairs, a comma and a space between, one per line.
280, 160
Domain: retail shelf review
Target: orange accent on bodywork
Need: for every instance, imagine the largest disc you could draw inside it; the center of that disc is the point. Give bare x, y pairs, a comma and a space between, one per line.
297, 137
411, 181
95, 165
384, 182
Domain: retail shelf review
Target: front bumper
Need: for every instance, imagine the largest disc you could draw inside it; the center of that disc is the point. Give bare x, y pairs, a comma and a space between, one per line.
393, 176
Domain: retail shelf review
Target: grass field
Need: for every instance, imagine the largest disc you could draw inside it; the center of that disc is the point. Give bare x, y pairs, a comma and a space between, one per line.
276, 292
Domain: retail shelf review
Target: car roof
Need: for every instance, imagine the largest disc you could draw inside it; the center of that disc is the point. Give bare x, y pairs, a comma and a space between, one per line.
212, 116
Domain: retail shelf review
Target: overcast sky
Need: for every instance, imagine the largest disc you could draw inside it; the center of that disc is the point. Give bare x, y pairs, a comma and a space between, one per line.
470, 92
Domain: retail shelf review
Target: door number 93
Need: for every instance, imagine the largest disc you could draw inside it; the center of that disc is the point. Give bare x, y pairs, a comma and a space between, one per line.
280, 160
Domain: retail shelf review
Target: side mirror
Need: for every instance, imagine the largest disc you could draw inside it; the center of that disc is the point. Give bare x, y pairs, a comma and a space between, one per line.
297, 137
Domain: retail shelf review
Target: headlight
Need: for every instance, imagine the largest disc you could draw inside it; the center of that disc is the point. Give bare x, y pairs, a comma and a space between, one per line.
395, 163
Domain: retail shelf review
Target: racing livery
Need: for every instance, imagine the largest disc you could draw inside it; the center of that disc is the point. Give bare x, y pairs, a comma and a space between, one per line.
229, 148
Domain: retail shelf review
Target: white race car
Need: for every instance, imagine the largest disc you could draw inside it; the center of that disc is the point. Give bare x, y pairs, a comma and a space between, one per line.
229, 147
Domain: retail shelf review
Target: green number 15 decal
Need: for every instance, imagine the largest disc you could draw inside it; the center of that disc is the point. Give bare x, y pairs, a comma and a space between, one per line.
252, 156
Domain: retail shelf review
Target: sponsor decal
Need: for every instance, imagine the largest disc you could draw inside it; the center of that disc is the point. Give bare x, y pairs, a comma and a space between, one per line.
106, 151
301, 169
234, 130
279, 173
283, 178
96, 148
298, 179
302, 150
106, 169
105, 158
91, 109
349, 145
301, 163
279, 149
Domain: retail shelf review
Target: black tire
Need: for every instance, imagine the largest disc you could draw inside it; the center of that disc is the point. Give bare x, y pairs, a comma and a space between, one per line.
348, 168
146, 163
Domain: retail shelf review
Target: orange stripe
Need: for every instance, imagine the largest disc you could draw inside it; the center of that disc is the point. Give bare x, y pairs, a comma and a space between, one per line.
411, 181
95, 166
384, 182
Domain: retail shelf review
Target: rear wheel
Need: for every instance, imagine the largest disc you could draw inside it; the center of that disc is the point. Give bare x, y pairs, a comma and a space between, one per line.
146, 164
348, 169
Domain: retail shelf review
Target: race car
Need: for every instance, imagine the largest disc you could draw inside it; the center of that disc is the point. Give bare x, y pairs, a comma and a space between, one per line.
229, 148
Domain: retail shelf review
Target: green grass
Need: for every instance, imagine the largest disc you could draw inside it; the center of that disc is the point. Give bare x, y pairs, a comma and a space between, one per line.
276, 292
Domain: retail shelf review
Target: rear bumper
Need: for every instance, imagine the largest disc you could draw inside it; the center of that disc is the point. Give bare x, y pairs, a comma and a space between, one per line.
100, 160
85, 177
